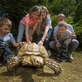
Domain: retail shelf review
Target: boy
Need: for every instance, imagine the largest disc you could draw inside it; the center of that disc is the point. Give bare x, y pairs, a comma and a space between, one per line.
62, 37
74, 42
5, 38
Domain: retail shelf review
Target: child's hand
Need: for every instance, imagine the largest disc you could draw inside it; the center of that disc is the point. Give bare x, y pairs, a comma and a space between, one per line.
58, 44
29, 42
21, 43
66, 42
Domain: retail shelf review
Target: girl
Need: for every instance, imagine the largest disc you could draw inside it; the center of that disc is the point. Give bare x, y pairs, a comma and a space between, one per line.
29, 23
45, 29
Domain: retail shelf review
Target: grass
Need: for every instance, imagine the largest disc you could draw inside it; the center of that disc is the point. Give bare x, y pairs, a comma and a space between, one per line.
71, 72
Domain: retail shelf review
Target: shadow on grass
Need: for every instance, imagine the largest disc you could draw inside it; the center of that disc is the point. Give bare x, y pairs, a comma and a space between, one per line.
25, 74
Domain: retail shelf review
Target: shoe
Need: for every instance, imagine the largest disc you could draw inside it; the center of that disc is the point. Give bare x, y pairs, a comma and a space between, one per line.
58, 56
0, 64
49, 52
70, 56
63, 58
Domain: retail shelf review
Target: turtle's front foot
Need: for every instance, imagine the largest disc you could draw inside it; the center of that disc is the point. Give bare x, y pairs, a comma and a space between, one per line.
12, 63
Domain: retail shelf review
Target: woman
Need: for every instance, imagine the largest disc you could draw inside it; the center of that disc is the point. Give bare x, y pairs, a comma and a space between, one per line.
45, 29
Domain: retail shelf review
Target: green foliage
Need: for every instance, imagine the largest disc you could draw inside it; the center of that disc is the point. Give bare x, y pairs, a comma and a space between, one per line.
72, 9
78, 31
78, 11
54, 20
69, 20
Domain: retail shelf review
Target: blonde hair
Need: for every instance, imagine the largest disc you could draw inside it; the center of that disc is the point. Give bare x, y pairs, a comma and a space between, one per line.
61, 15
5, 21
35, 8
38, 30
47, 12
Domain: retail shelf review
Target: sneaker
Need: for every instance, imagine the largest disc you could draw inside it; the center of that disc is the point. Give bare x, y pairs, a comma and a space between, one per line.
58, 56
63, 58
0, 64
49, 52
70, 56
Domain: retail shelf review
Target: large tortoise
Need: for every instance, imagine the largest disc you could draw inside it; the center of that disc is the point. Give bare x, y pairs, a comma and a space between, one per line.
33, 55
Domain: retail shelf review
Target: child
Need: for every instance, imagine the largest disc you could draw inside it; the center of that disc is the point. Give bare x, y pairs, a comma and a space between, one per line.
74, 42
45, 29
62, 37
5, 38
29, 23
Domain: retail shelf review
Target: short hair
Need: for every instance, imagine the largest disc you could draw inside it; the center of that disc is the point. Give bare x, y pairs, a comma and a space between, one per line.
5, 21
62, 23
61, 15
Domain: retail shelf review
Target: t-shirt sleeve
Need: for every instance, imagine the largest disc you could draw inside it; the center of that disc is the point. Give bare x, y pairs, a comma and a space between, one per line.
55, 33
27, 19
69, 32
48, 21
12, 38
70, 28
55, 29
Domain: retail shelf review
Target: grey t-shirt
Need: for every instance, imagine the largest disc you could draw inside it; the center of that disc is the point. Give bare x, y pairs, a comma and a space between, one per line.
7, 38
63, 36
44, 23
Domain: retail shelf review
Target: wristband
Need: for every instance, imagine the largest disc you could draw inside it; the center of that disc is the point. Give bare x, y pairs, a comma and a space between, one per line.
42, 40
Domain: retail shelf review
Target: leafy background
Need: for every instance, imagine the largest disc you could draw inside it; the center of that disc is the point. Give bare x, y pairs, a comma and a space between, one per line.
16, 9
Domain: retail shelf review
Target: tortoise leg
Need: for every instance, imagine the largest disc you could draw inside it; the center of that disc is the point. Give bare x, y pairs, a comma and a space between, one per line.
53, 65
14, 61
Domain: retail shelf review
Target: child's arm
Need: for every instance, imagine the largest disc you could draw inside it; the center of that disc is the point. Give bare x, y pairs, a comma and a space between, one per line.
57, 42
69, 38
74, 36
67, 41
18, 44
26, 33
34, 28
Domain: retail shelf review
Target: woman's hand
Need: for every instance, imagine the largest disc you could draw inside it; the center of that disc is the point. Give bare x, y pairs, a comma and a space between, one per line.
40, 43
